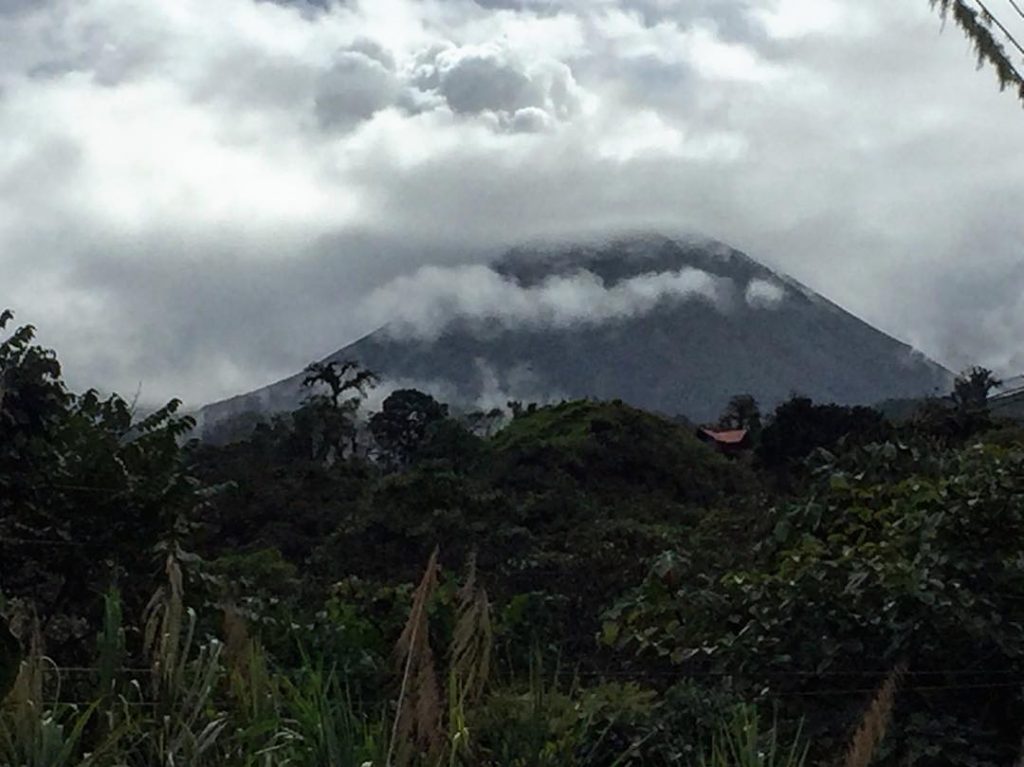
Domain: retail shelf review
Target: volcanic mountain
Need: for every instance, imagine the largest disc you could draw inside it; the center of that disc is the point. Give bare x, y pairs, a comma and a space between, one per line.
675, 326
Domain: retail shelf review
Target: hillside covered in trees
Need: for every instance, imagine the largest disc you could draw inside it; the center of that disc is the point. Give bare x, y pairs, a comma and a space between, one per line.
575, 584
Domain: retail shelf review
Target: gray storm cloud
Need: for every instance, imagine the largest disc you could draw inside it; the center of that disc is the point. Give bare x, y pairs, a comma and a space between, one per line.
200, 202
423, 304
357, 86
524, 96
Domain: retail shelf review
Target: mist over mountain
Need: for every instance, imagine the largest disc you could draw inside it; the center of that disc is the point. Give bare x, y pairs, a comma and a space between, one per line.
676, 326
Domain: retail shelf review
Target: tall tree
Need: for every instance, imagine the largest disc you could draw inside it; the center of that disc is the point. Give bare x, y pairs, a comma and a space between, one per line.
86, 492
328, 415
742, 412
972, 387
401, 427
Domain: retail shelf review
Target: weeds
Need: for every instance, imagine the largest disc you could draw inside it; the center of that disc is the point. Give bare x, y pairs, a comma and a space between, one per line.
741, 742
209, 701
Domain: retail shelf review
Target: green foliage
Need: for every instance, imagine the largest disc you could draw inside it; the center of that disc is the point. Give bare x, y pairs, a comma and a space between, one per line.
545, 724
1011, 436
326, 727
609, 450
798, 427
875, 563
35, 732
972, 387
741, 742
742, 412
672, 582
401, 428
10, 656
86, 491
326, 422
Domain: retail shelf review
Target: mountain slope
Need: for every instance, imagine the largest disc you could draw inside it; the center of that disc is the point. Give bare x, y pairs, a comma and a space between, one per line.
634, 334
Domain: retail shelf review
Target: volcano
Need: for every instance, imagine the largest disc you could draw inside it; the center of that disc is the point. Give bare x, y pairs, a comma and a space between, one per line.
675, 326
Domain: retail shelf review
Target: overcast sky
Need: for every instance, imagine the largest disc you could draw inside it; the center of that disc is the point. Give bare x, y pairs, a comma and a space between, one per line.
197, 195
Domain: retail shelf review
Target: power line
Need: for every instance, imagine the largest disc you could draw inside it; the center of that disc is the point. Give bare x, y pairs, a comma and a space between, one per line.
590, 674
1017, 8
903, 688
825, 693
990, 16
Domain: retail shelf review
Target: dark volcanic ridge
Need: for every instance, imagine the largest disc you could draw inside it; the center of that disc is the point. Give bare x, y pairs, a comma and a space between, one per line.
675, 326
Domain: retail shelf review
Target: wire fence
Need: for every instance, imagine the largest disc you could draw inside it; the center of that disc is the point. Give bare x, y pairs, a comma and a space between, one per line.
917, 682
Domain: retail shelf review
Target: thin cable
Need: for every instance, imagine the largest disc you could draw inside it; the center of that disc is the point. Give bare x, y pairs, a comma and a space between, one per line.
832, 693
670, 674
918, 688
999, 24
52, 542
1017, 8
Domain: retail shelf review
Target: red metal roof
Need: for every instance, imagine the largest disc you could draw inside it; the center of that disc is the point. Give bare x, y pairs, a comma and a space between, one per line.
729, 437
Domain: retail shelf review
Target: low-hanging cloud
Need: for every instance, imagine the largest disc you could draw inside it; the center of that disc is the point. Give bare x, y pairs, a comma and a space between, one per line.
497, 387
764, 294
423, 304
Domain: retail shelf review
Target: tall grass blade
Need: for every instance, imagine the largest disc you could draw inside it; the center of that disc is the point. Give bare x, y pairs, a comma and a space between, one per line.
871, 731
417, 724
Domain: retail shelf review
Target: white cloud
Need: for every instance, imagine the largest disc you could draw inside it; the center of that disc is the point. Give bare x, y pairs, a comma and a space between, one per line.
424, 304
762, 294
794, 19
356, 87
497, 387
492, 81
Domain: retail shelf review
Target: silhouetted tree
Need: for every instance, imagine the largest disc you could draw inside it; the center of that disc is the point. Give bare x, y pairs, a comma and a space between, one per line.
972, 387
518, 409
485, 424
742, 412
401, 427
327, 419
339, 378
798, 427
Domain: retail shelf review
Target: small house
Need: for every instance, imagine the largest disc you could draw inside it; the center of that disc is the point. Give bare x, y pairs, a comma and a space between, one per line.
728, 441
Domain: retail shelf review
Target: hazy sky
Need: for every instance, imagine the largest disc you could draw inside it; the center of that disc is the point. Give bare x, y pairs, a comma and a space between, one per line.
196, 196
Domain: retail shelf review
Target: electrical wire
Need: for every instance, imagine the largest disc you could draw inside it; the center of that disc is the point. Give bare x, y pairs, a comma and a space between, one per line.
998, 23
1017, 8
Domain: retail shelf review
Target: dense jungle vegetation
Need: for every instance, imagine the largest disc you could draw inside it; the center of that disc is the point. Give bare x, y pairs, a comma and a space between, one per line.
577, 584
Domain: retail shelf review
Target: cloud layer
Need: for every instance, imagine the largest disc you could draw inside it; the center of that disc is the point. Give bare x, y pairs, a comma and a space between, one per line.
422, 305
199, 202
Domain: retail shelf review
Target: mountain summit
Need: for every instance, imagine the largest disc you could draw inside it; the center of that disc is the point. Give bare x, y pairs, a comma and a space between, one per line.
670, 325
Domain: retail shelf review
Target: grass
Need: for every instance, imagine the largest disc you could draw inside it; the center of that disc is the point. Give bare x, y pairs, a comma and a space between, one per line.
743, 741
206, 701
